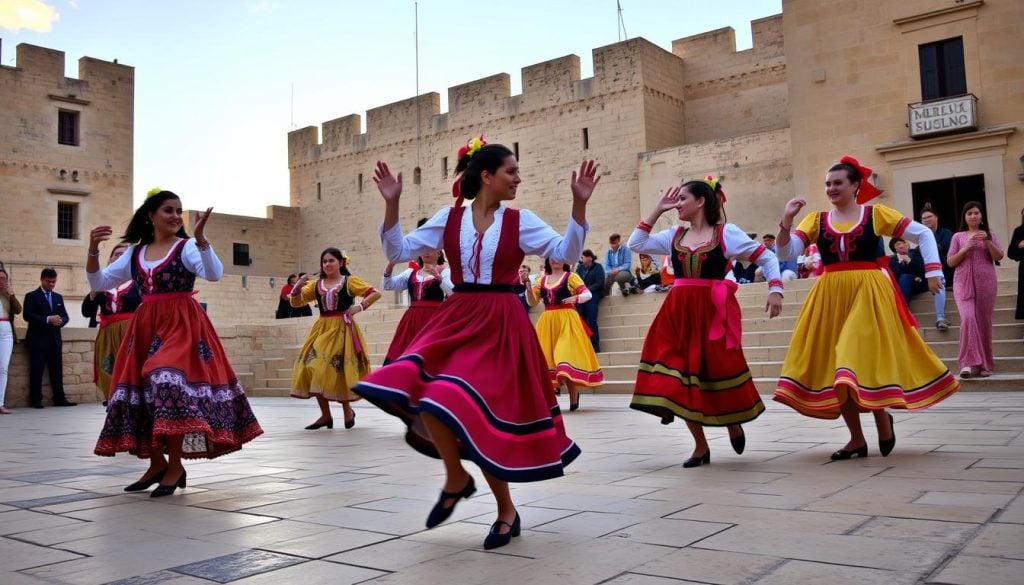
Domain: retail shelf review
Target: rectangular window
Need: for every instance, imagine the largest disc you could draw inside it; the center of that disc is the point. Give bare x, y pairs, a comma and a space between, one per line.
515, 149
943, 73
444, 167
240, 254
67, 127
360, 185
586, 139
67, 221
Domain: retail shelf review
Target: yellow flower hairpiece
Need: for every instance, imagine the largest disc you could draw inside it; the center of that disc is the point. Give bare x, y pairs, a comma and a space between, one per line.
712, 182
153, 191
473, 145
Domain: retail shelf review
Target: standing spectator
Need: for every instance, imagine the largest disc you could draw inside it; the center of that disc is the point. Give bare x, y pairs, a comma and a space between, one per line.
9, 307
592, 273
45, 315
284, 306
972, 254
304, 310
618, 261
907, 269
524, 283
943, 238
1016, 252
647, 274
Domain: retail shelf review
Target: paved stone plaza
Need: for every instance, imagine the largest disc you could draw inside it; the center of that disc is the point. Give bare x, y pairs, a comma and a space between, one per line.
341, 507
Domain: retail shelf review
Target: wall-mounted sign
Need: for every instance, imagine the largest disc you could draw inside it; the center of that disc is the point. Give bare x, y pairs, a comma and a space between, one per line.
943, 116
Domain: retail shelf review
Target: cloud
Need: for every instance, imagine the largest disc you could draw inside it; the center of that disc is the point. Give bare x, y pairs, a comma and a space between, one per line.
33, 15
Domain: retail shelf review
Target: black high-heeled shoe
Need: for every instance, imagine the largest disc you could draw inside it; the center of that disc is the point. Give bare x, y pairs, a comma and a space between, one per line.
887, 445
843, 454
329, 423
574, 406
496, 538
739, 443
440, 513
704, 459
350, 422
143, 485
166, 490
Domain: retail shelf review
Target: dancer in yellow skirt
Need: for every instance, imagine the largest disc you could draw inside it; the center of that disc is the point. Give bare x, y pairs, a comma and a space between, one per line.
562, 334
334, 356
855, 345
116, 307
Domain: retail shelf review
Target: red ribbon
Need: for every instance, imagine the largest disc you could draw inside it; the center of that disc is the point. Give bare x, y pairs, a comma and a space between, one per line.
867, 191
728, 319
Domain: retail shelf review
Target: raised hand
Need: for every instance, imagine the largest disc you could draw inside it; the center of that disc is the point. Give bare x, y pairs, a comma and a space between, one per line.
669, 199
390, 187
297, 287
793, 207
584, 181
99, 234
198, 231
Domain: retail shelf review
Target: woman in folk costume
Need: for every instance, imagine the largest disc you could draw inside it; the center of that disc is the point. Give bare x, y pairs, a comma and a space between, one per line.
428, 282
116, 307
333, 358
173, 390
473, 383
692, 365
855, 344
563, 336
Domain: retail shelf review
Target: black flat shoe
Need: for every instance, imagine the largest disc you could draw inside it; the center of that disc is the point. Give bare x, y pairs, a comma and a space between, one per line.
704, 459
166, 490
144, 485
329, 424
843, 454
887, 445
440, 513
496, 538
351, 422
739, 443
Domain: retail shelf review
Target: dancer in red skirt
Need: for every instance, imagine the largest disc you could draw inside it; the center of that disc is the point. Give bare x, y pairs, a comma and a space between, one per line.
174, 391
428, 282
692, 365
473, 383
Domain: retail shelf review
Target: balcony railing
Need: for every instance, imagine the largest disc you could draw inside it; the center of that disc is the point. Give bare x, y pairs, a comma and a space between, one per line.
947, 115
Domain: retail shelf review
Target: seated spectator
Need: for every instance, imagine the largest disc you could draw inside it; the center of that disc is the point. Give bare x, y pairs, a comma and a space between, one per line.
618, 261
907, 269
787, 268
743, 275
647, 275
809, 263
668, 275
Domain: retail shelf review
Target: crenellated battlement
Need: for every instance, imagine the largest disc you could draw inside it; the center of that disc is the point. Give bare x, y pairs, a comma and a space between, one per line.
635, 64
48, 64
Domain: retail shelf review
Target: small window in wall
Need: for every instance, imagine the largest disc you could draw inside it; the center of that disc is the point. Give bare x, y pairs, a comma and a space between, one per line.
515, 149
67, 221
360, 183
586, 139
943, 73
240, 254
444, 167
67, 127
318, 195
416, 176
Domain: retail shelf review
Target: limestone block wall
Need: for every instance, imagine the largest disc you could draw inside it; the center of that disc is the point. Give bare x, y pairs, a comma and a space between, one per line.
756, 171
271, 240
78, 385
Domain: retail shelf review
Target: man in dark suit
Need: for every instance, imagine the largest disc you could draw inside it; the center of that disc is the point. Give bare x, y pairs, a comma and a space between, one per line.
44, 311
592, 273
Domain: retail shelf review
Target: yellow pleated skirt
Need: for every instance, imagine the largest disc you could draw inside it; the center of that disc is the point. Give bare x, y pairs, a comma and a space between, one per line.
849, 343
108, 340
567, 348
329, 363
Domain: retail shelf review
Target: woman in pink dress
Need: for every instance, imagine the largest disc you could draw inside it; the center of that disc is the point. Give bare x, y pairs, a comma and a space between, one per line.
972, 254
473, 383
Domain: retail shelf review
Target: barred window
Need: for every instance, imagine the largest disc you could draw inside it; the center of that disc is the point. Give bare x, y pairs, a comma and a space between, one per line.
67, 221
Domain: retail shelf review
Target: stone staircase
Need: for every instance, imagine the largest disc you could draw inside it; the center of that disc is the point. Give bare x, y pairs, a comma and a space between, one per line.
624, 323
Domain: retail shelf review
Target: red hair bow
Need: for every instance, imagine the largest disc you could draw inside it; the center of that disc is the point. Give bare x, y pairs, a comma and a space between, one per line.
867, 191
